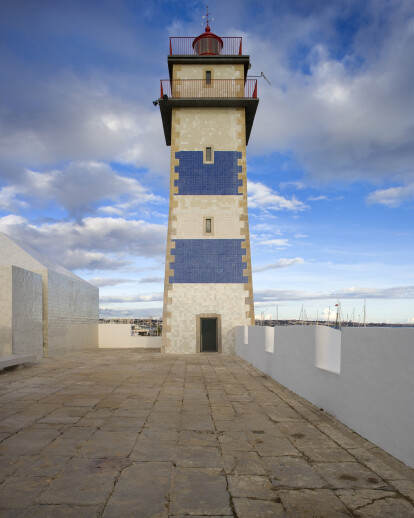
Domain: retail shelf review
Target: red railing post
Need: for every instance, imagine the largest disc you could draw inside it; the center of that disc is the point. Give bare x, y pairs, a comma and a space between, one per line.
255, 90
162, 91
240, 48
170, 48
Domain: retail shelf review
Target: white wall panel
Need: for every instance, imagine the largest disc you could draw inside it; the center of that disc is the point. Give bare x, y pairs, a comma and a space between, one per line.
27, 326
73, 307
6, 310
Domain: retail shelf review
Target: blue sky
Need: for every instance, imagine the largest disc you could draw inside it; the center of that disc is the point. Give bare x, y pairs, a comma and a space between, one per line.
84, 167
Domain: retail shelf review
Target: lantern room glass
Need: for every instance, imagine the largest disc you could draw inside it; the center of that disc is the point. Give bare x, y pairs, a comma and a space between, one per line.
207, 46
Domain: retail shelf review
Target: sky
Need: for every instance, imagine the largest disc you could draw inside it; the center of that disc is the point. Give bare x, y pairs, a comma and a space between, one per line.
84, 169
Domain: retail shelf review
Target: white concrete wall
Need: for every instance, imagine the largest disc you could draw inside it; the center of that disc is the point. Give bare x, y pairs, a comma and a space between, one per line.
70, 304
362, 376
20, 312
6, 290
119, 336
72, 314
27, 320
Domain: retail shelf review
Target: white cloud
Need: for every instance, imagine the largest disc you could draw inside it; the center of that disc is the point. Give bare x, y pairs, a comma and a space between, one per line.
397, 292
392, 197
86, 260
281, 243
317, 198
131, 312
68, 116
77, 188
101, 282
259, 195
281, 263
92, 243
10, 222
346, 116
329, 314
151, 279
8, 200
263, 316
110, 210
297, 185
265, 227
146, 297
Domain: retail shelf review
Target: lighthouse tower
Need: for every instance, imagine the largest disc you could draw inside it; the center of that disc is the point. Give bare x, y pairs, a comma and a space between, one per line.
207, 107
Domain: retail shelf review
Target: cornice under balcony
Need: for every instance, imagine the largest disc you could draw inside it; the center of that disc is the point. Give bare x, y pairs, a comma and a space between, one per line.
167, 105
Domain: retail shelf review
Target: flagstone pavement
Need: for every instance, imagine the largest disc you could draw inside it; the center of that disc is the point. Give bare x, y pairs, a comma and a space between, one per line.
126, 433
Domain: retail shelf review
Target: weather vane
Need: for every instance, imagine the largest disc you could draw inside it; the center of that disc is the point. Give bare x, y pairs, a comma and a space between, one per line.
206, 17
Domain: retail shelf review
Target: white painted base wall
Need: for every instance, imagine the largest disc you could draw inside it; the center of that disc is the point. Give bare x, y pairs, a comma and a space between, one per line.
362, 376
191, 299
119, 336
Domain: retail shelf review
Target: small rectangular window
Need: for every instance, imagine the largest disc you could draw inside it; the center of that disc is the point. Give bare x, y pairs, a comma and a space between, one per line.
208, 154
208, 226
208, 77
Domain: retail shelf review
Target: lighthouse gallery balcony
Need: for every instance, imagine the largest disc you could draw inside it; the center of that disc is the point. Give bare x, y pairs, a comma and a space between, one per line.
215, 88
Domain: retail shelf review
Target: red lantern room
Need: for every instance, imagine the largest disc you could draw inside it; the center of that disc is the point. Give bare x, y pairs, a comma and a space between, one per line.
208, 44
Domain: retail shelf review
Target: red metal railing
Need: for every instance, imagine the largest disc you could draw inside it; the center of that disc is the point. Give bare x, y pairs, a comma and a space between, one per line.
198, 88
183, 46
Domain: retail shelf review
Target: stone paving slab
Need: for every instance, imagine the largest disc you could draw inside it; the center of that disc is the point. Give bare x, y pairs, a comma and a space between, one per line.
141, 491
114, 433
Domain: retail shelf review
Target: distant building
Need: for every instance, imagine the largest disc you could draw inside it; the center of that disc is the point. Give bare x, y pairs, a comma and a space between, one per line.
207, 107
44, 308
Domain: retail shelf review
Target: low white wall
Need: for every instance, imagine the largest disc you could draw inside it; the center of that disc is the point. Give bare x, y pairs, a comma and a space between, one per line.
362, 376
119, 336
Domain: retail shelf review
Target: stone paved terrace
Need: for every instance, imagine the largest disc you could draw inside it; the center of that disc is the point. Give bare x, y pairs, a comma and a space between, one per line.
122, 433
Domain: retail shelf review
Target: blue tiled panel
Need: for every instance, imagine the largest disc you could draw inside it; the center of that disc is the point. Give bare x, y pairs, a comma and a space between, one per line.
208, 260
198, 178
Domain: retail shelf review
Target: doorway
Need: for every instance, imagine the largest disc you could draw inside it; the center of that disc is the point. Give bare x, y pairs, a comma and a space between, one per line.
208, 335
